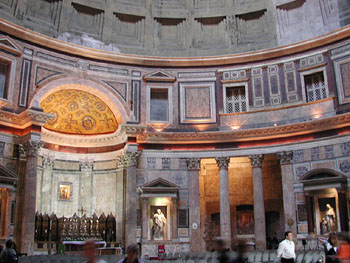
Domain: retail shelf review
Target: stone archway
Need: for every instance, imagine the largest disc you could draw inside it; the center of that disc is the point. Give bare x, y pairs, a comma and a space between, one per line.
325, 193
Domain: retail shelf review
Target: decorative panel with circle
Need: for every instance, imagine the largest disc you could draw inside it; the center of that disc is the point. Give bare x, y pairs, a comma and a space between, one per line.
78, 112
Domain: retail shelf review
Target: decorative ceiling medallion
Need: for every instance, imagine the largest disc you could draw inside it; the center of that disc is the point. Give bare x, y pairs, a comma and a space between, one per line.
78, 112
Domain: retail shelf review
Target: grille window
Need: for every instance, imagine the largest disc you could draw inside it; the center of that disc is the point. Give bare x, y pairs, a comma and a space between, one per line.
315, 87
236, 100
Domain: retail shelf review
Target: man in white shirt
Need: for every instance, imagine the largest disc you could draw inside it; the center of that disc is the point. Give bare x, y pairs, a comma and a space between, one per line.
286, 249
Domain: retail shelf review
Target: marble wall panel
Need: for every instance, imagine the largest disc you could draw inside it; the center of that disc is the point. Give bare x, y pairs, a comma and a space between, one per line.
326, 165
66, 165
104, 193
107, 165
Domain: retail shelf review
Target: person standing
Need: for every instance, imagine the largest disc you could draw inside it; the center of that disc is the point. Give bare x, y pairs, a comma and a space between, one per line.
132, 253
286, 249
89, 251
8, 254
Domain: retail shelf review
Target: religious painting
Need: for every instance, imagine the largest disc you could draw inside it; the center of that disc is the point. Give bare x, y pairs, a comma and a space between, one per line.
328, 216
158, 222
65, 191
245, 220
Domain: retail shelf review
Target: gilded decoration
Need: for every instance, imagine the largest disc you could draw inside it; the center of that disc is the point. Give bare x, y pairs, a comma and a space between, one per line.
78, 112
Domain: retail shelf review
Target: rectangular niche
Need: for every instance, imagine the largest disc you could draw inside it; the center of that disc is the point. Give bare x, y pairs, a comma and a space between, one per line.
169, 32
44, 11
65, 191
197, 102
129, 30
159, 104
210, 32
252, 27
87, 20
342, 73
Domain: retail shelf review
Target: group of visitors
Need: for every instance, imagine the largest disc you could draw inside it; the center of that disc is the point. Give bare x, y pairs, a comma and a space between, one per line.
337, 248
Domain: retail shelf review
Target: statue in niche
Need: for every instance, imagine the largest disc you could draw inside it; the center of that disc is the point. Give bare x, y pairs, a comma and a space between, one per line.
330, 218
159, 221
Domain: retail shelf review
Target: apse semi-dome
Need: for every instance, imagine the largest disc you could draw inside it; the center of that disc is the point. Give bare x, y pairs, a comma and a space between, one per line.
179, 27
78, 112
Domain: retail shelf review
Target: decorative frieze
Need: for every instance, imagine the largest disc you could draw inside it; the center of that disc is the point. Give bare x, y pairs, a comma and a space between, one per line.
256, 160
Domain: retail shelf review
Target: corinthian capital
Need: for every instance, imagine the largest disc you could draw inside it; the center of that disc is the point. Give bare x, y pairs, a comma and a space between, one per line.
86, 165
256, 160
48, 162
128, 159
285, 157
30, 148
193, 163
222, 162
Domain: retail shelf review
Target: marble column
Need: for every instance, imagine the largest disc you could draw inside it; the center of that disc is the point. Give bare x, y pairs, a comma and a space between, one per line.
343, 211
290, 219
193, 166
129, 161
259, 207
31, 148
86, 195
145, 216
225, 211
174, 228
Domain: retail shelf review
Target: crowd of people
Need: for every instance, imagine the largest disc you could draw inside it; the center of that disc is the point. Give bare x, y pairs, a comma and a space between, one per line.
336, 247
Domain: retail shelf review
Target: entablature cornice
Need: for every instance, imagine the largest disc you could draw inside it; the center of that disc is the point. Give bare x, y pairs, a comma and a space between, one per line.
24, 119
301, 128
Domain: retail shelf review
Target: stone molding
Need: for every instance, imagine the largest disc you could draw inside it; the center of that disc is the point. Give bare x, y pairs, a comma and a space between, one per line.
132, 129
25, 118
223, 162
285, 157
193, 164
256, 160
128, 159
30, 148
300, 128
52, 43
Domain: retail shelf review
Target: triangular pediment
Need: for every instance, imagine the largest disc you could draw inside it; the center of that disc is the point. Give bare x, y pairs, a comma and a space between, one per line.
9, 45
159, 76
6, 175
159, 183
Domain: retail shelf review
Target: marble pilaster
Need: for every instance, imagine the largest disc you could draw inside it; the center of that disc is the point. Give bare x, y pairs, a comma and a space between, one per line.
259, 207
290, 219
225, 213
86, 188
46, 190
174, 226
129, 161
343, 211
145, 223
193, 166
31, 148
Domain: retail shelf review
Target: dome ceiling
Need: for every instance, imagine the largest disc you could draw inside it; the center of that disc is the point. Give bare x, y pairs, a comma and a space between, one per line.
78, 112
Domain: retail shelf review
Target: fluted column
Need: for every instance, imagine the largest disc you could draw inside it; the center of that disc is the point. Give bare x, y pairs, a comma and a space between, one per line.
259, 207
129, 161
85, 204
193, 166
290, 220
30, 148
225, 211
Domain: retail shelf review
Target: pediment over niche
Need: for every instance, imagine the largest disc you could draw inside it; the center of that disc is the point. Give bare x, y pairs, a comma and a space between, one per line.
7, 44
160, 185
323, 178
7, 176
159, 76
